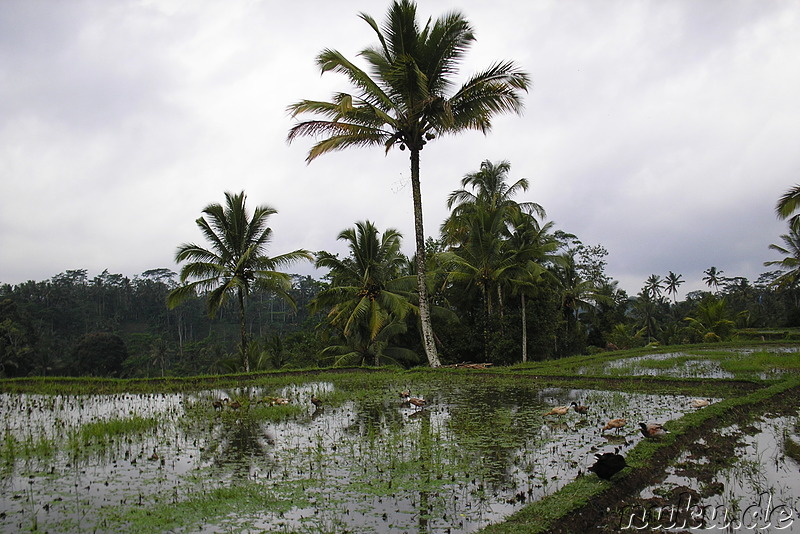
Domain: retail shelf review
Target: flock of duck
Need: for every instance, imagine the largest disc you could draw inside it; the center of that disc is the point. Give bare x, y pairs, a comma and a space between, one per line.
610, 463
606, 465
221, 404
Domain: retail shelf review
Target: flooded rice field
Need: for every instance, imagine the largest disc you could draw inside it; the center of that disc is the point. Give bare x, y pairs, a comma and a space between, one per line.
739, 363
737, 478
267, 459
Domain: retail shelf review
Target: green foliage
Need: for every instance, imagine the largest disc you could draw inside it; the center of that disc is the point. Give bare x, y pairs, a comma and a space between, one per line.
99, 354
406, 98
236, 264
17, 340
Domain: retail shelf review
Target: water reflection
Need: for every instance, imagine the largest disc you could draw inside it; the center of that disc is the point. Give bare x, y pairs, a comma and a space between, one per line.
362, 462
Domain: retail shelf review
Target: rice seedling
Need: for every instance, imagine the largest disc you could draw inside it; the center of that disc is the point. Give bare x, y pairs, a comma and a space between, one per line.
476, 453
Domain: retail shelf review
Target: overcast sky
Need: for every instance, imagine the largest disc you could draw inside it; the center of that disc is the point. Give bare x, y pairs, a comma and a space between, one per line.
663, 130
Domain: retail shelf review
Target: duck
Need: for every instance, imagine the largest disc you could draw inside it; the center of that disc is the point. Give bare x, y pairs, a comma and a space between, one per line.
615, 424
652, 430
608, 464
405, 394
417, 402
558, 410
315, 401
578, 408
218, 404
153, 457
235, 405
700, 403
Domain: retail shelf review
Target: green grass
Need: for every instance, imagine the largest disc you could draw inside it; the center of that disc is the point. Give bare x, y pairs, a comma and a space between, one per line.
215, 506
100, 431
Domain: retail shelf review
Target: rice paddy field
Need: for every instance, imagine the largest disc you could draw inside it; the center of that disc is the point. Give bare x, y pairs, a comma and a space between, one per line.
254, 454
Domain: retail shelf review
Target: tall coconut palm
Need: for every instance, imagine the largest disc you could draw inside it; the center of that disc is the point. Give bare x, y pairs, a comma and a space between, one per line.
645, 310
369, 297
577, 294
490, 192
405, 98
484, 220
236, 263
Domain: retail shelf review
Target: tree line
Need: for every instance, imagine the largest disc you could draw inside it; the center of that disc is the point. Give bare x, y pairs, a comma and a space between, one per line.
504, 287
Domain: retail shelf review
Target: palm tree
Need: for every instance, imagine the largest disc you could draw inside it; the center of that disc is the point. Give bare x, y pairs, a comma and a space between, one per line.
236, 263
481, 222
652, 287
369, 297
644, 308
577, 294
531, 245
406, 99
713, 277
791, 262
671, 284
491, 193
712, 319
788, 206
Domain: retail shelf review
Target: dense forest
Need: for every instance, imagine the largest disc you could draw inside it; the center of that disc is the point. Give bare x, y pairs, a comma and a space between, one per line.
504, 288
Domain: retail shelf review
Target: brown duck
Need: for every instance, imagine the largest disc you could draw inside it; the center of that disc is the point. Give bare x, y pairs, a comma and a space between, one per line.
616, 424
652, 430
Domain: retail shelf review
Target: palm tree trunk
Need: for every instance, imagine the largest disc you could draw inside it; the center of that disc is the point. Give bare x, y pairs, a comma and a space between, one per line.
487, 311
428, 340
243, 326
524, 329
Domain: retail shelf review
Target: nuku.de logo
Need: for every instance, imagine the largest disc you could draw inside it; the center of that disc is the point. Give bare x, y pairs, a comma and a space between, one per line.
692, 515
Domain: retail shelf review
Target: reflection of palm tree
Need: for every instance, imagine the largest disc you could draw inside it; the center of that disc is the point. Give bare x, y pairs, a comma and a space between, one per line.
238, 437
236, 263
405, 100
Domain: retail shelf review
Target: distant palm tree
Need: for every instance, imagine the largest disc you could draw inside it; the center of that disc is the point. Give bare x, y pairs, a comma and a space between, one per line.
406, 99
236, 263
577, 293
791, 262
671, 284
713, 277
652, 287
789, 205
645, 309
